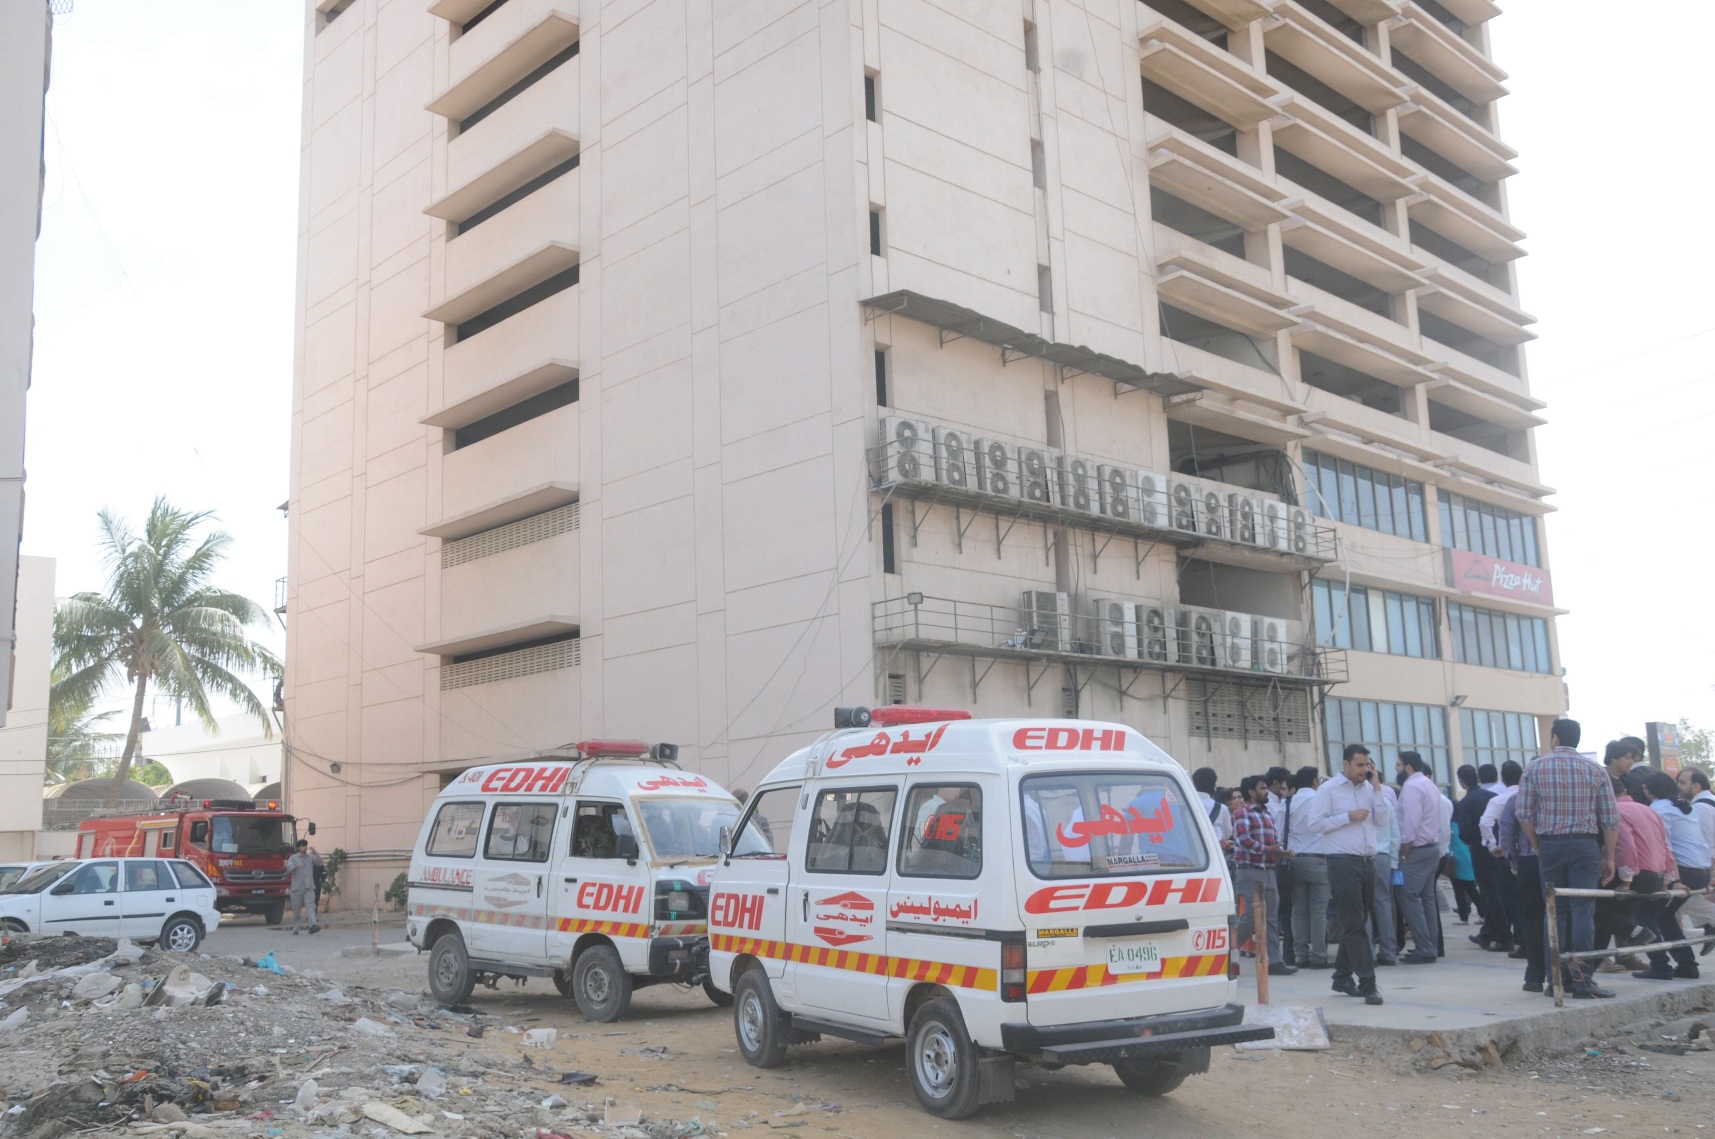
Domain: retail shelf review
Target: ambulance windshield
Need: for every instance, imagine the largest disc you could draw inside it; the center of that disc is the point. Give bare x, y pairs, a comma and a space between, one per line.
1086, 826
686, 828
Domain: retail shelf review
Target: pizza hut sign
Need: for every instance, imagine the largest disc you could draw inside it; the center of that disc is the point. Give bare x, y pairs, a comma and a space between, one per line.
1479, 573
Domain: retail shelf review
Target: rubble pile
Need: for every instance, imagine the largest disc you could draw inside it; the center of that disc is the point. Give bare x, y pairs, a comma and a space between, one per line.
98, 1034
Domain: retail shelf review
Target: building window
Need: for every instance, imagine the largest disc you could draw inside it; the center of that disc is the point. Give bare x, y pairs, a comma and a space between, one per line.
875, 233
523, 411
1494, 639
1361, 496
870, 109
889, 564
1495, 737
1467, 524
1386, 730
1044, 289
1375, 620
881, 377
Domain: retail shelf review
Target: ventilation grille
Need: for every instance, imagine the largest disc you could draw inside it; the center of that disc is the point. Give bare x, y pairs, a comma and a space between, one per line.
536, 528
509, 666
1247, 711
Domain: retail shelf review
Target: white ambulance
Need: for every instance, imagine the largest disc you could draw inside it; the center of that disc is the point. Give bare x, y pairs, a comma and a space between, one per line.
993, 891
590, 869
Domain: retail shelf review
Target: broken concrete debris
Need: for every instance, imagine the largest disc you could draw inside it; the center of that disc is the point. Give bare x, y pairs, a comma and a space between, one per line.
190, 1046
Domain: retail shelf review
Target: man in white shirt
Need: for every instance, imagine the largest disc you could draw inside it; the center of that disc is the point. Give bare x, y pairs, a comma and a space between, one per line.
1694, 787
1343, 817
1279, 781
1387, 857
1204, 780
1309, 877
1506, 878
1489, 779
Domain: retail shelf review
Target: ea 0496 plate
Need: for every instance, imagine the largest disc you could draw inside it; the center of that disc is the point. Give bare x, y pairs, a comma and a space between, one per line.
1133, 956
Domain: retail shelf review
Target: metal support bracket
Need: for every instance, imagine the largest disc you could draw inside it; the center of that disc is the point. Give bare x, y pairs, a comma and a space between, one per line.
1030, 682
1119, 674
1009, 355
948, 337
976, 681
1143, 557
1096, 552
923, 673
917, 522
961, 527
1000, 537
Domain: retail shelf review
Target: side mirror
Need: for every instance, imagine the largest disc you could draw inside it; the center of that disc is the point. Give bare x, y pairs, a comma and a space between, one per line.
726, 841
63, 888
625, 846
312, 830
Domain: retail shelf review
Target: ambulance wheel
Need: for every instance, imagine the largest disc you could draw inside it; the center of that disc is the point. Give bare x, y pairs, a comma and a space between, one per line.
450, 978
562, 982
601, 984
275, 914
758, 1023
942, 1061
724, 1000
1151, 1077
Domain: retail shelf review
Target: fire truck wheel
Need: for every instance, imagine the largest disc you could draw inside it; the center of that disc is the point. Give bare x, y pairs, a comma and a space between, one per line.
450, 978
724, 1000
275, 914
180, 935
942, 1061
601, 984
760, 1026
1150, 1077
562, 982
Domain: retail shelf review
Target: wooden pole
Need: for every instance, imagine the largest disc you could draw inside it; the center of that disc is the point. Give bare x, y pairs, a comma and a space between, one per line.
1259, 908
375, 924
1559, 990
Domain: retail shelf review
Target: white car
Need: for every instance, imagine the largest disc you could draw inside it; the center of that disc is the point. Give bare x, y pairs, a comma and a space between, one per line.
10, 872
167, 901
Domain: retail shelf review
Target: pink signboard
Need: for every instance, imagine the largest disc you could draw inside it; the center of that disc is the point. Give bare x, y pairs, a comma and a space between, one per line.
1479, 573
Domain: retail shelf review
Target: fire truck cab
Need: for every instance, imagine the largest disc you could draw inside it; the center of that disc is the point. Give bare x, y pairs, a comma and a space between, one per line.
591, 870
993, 891
240, 845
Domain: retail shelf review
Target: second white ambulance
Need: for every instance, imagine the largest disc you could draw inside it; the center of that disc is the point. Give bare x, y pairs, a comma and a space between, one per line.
590, 869
994, 891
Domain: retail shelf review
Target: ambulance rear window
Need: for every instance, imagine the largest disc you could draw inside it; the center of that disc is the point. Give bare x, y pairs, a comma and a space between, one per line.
1097, 825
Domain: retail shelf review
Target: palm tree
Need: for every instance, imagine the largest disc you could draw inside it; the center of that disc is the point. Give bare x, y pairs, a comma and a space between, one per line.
76, 743
160, 622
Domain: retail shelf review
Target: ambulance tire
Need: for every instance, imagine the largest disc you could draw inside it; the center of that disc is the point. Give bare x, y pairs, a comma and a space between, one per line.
601, 985
941, 1060
450, 976
1151, 1077
723, 1000
762, 1029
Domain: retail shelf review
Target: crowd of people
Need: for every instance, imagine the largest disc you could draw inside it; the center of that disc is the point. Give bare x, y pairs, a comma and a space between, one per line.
1356, 862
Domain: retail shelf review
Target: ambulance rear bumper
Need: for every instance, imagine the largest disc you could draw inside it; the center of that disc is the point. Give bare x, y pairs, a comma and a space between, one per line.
1136, 1038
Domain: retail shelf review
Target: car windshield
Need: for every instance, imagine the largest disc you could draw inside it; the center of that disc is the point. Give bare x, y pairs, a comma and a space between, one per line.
236, 834
39, 879
686, 828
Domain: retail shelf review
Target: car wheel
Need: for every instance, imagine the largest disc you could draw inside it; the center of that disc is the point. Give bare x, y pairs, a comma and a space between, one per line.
601, 985
942, 1061
724, 1000
181, 934
13, 925
1150, 1077
450, 978
757, 1021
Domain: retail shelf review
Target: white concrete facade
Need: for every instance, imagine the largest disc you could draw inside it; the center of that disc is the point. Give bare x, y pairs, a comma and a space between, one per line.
26, 30
1073, 226
237, 751
24, 739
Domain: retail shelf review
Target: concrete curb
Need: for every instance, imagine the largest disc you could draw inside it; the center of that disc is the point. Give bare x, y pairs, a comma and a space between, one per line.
1526, 1039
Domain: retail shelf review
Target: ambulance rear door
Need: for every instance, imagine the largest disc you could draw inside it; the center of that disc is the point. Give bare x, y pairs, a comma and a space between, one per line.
1123, 896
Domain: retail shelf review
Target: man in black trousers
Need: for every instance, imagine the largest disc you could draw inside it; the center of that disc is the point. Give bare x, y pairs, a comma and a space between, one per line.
1495, 932
1280, 789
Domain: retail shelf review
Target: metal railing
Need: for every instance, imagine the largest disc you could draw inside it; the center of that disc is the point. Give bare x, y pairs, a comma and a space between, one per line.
61, 816
1557, 958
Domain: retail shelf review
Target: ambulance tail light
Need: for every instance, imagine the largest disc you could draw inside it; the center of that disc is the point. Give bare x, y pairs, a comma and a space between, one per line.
1233, 947
894, 715
1012, 971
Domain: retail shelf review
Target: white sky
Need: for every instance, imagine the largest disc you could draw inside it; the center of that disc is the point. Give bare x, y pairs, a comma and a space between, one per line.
166, 266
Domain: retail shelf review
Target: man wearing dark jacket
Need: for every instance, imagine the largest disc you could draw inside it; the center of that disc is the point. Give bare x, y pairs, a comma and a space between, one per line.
1495, 933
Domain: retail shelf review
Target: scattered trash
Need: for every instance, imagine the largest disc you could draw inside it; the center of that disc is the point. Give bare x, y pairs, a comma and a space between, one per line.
394, 1118
553, 1102
334, 996
95, 985
1592, 1053
13, 1020
306, 1099
371, 1027
432, 1083
578, 1079
270, 964
475, 1031
541, 1038
616, 1114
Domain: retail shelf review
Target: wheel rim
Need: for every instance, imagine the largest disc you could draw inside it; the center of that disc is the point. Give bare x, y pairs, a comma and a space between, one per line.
937, 1060
447, 972
182, 938
597, 985
750, 1022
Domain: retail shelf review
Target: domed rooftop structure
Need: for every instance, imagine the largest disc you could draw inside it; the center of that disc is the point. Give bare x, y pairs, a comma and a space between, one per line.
196, 790
65, 805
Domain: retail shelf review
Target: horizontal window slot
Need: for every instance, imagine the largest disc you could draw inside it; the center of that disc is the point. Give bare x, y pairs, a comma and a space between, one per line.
517, 195
505, 419
514, 305
517, 88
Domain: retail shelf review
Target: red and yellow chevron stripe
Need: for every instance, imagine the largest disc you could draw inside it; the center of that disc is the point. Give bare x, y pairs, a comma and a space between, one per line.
681, 929
1096, 976
936, 972
486, 917
611, 928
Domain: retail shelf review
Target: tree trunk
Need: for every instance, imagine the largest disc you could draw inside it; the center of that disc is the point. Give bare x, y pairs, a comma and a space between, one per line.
132, 739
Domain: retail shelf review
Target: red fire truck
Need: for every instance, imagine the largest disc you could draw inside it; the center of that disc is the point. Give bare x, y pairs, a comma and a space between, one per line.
241, 845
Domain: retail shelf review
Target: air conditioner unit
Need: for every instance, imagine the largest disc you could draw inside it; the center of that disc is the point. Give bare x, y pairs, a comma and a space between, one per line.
1075, 484
1048, 620
955, 464
1236, 641
1157, 634
997, 468
1243, 516
1152, 501
1116, 628
1301, 530
1212, 516
1184, 505
1199, 634
905, 451
1117, 487
1272, 645
1271, 524
1035, 476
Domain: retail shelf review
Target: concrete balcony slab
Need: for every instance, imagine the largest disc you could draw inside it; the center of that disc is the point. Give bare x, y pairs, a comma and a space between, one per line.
513, 41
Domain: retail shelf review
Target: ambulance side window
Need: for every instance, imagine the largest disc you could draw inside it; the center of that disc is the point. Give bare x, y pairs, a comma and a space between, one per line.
849, 831
768, 824
521, 832
598, 829
457, 826
943, 837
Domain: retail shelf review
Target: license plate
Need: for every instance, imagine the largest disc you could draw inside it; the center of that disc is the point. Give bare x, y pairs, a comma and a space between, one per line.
1134, 957
258, 891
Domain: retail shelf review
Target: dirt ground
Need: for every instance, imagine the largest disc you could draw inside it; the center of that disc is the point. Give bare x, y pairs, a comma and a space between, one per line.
675, 1059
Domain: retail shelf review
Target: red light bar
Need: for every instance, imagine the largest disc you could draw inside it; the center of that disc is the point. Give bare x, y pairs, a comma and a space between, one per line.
613, 747
895, 714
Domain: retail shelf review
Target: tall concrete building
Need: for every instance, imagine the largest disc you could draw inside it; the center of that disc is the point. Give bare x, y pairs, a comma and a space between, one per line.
682, 369
26, 30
